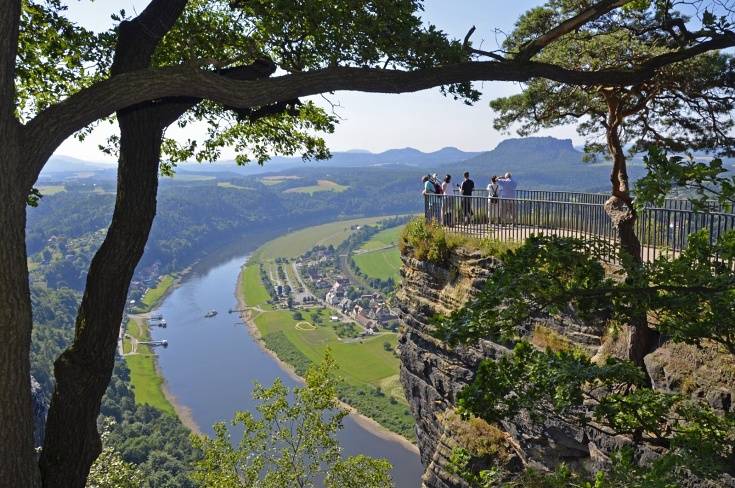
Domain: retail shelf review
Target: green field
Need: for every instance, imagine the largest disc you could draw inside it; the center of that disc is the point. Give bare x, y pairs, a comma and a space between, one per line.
227, 184
51, 189
147, 383
384, 238
382, 264
379, 257
154, 295
322, 185
297, 243
368, 372
276, 180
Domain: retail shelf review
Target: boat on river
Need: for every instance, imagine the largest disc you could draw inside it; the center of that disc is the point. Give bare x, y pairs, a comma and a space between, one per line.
211, 313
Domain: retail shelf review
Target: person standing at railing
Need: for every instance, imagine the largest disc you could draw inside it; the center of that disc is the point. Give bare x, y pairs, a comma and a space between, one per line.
429, 197
467, 187
447, 200
493, 194
507, 194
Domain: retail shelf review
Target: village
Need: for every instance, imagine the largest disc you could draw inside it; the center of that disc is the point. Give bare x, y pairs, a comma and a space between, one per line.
316, 278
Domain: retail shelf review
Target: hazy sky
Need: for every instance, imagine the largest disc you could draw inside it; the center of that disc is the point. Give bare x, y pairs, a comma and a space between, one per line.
425, 120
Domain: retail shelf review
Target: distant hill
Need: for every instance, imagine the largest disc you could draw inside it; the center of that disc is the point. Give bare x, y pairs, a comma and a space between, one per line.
68, 164
540, 162
348, 159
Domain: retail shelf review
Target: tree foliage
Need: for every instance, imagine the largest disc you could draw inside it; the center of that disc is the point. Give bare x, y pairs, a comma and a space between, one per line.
688, 298
290, 442
687, 105
702, 183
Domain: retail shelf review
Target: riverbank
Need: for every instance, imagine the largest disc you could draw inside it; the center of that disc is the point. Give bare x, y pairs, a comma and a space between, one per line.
365, 422
145, 374
146, 377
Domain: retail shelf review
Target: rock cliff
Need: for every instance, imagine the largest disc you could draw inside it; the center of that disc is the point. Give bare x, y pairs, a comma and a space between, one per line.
432, 373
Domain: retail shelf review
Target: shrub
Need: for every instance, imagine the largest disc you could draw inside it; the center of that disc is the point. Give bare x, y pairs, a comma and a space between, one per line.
430, 242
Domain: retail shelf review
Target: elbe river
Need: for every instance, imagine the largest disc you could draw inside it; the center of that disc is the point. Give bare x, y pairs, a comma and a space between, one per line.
211, 364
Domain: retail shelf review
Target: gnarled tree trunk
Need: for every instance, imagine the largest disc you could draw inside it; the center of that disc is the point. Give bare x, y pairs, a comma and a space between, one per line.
619, 207
17, 458
83, 371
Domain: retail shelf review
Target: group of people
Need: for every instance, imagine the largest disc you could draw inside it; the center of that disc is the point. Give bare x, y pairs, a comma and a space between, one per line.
501, 192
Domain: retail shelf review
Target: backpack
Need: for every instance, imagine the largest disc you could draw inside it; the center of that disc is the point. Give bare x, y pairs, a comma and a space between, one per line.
437, 188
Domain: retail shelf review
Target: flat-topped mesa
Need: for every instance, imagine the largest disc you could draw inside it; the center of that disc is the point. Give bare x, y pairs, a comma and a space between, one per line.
433, 373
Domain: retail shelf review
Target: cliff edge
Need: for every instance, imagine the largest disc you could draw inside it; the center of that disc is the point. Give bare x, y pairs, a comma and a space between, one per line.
433, 373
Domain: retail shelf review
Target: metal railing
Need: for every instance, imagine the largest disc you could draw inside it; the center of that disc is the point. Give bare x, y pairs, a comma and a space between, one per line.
596, 198
567, 214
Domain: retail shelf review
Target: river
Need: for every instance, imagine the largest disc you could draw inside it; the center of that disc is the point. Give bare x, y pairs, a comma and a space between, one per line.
211, 364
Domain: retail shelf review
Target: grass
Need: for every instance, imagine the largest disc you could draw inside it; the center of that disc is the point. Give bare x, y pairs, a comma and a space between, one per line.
377, 259
276, 180
322, 185
255, 293
193, 178
382, 264
227, 184
51, 189
383, 239
146, 381
297, 243
430, 242
154, 295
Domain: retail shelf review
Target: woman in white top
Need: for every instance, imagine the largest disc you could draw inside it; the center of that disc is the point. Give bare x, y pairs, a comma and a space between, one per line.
493, 192
446, 202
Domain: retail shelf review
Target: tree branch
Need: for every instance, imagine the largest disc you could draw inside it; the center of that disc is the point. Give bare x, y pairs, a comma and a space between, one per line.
590, 13
722, 41
52, 126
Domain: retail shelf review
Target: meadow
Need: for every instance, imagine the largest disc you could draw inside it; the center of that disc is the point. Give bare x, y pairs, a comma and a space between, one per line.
367, 367
322, 185
154, 295
146, 381
295, 244
380, 257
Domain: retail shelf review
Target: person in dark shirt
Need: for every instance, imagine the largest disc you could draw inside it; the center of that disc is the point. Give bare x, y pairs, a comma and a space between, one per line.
467, 188
467, 185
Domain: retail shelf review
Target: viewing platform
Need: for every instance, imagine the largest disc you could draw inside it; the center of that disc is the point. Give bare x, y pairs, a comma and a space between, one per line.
663, 230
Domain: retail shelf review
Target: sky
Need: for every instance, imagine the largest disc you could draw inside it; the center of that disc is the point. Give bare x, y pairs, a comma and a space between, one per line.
425, 120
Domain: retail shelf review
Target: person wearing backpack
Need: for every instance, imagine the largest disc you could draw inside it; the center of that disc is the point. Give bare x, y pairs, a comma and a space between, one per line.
447, 200
493, 196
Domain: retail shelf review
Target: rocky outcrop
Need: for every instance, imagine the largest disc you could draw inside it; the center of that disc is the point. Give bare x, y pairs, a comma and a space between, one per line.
432, 373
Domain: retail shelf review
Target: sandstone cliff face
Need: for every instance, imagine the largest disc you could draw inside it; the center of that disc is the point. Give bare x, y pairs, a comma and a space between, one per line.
433, 373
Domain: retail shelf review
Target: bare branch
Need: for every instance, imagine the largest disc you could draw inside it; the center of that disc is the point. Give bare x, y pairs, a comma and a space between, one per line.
466, 46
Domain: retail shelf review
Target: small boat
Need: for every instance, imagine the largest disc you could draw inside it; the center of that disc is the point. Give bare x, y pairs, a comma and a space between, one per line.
162, 323
211, 313
157, 316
